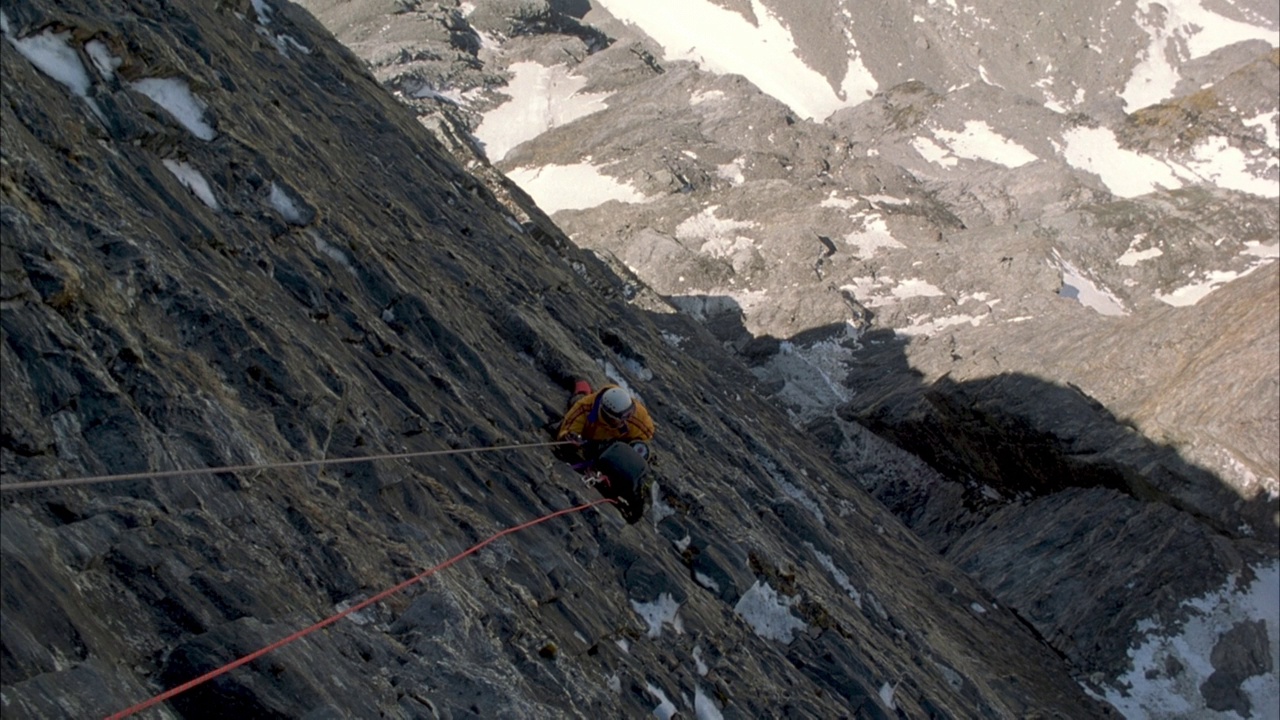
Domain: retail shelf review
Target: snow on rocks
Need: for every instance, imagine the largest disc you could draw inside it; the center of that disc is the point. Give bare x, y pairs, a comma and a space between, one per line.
1213, 664
769, 613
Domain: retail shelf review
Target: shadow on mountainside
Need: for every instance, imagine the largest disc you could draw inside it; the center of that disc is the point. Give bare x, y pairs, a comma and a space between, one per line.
1064, 511
1019, 435
1027, 436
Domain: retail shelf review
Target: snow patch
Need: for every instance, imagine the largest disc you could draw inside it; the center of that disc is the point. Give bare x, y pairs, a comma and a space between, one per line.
732, 172
363, 616
573, 187
284, 204
1078, 287
262, 10
1124, 172
52, 55
1224, 165
982, 73
706, 226
953, 678
884, 290
706, 582
791, 490
1133, 256
979, 142
1178, 31
1050, 100
926, 326
704, 708
194, 181
933, 152
886, 695
658, 509
542, 98
334, 253
723, 247
769, 613
1213, 161
666, 709
105, 63
915, 287
698, 662
1188, 295
1253, 247
1269, 123
888, 200
832, 201
873, 236
724, 42
176, 98
284, 43
1154, 77
661, 612
615, 376
1149, 690
1214, 279
840, 577
636, 368
812, 375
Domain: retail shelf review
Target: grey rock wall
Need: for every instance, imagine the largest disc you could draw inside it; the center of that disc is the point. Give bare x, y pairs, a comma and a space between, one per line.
874, 273
267, 258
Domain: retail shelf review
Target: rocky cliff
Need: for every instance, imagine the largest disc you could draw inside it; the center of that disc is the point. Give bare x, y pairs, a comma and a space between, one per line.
1035, 247
225, 244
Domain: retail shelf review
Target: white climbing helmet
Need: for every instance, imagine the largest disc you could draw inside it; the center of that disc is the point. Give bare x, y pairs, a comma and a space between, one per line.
616, 405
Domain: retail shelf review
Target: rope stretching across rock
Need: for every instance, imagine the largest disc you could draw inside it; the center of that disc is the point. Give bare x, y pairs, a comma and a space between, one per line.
338, 616
95, 479
168, 694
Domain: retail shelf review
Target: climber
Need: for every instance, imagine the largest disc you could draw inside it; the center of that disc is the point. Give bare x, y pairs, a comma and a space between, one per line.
607, 436
598, 419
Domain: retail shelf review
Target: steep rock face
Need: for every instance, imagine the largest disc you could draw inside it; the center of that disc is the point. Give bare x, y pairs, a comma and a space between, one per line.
224, 244
1024, 261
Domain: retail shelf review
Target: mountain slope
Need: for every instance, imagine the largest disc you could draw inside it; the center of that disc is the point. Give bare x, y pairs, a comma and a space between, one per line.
225, 244
1034, 246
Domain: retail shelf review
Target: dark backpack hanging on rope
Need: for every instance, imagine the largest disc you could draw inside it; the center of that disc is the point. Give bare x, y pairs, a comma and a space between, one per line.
625, 471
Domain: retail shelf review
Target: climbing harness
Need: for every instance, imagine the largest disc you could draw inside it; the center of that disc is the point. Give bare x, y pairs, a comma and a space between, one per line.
594, 478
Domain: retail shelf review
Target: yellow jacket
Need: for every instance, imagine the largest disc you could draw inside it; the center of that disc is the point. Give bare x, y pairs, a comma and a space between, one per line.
583, 418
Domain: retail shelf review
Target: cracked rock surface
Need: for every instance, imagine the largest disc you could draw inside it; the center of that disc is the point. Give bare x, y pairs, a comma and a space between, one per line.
999, 243
224, 243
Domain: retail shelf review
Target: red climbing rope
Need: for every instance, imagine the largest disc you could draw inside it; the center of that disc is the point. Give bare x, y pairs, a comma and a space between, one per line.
335, 618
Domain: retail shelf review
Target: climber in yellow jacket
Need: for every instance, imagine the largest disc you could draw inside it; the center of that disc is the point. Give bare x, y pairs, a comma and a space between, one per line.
596, 419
